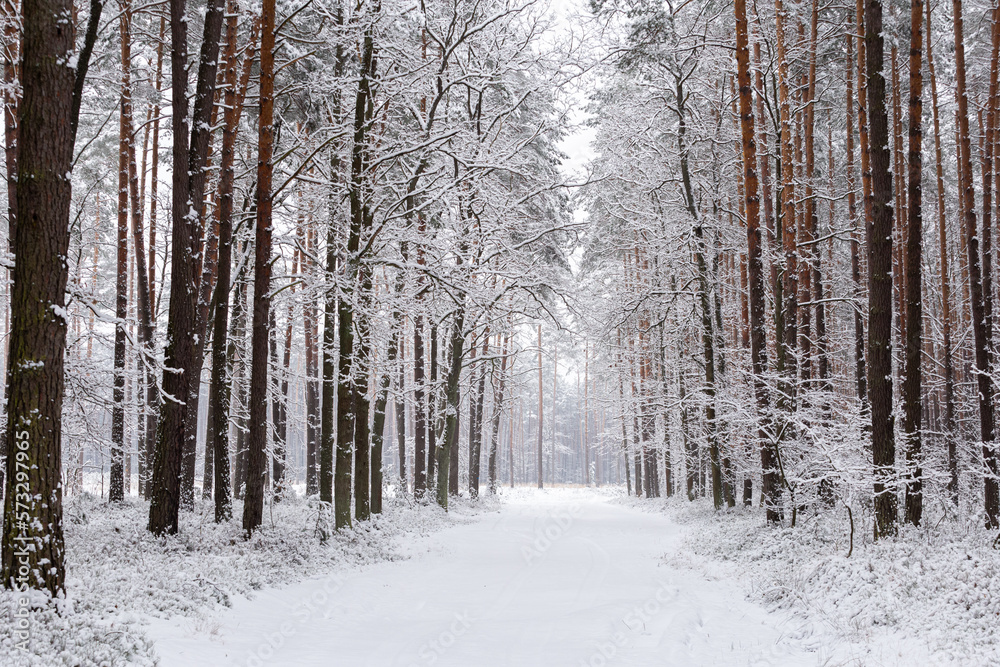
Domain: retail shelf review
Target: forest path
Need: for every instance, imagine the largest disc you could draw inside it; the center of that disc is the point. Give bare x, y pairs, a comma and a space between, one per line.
556, 577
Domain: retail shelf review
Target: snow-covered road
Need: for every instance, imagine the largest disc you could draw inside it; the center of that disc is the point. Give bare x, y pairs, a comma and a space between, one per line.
555, 578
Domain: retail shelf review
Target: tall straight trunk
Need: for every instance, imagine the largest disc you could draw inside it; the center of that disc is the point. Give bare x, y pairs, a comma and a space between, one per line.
510, 444
946, 312
541, 405
989, 451
914, 249
378, 419
899, 207
279, 404
648, 421
116, 488
223, 348
708, 345
788, 235
399, 407
310, 339
277, 461
771, 487
147, 428
206, 267
236, 361
498, 389
880, 279
154, 199
420, 424
189, 179
766, 195
809, 268
704, 298
811, 210
621, 400
476, 422
382, 402
355, 382
963, 245
665, 376
330, 445
860, 377
744, 325
34, 544
452, 399
862, 108
352, 415
452, 443
205, 236
434, 412
586, 414
981, 332
473, 372
253, 498
166, 483
362, 407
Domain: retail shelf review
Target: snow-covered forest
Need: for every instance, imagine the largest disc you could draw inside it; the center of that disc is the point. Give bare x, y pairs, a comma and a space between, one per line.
496, 332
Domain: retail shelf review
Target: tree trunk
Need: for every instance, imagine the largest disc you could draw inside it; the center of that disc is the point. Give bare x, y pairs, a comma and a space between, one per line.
476, 422
382, 402
352, 389
914, 248
166, 483
34, 543
946, 312
434, 418
789, 286
311, 340
452, 398
541, 406
420, 452
329, 425
204, 236
981, 333
224, 348
880, 280
116, 489
253, 500
189, 178
771, 487
860, 377
498, 388
399, 407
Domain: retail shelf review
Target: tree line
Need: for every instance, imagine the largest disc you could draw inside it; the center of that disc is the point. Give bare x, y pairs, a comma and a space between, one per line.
783, 312
360, 203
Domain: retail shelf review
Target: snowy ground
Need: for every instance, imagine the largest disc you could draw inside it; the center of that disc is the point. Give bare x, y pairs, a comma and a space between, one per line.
554, 578
560, 577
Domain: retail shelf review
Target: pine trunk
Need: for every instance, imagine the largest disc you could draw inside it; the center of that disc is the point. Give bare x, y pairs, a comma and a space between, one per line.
914, 248
253, 498
981, 333
880, 279
38, 298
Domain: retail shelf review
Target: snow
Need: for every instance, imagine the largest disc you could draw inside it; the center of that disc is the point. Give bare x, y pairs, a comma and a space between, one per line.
120, 578
557, 577
929, 597
574, 577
